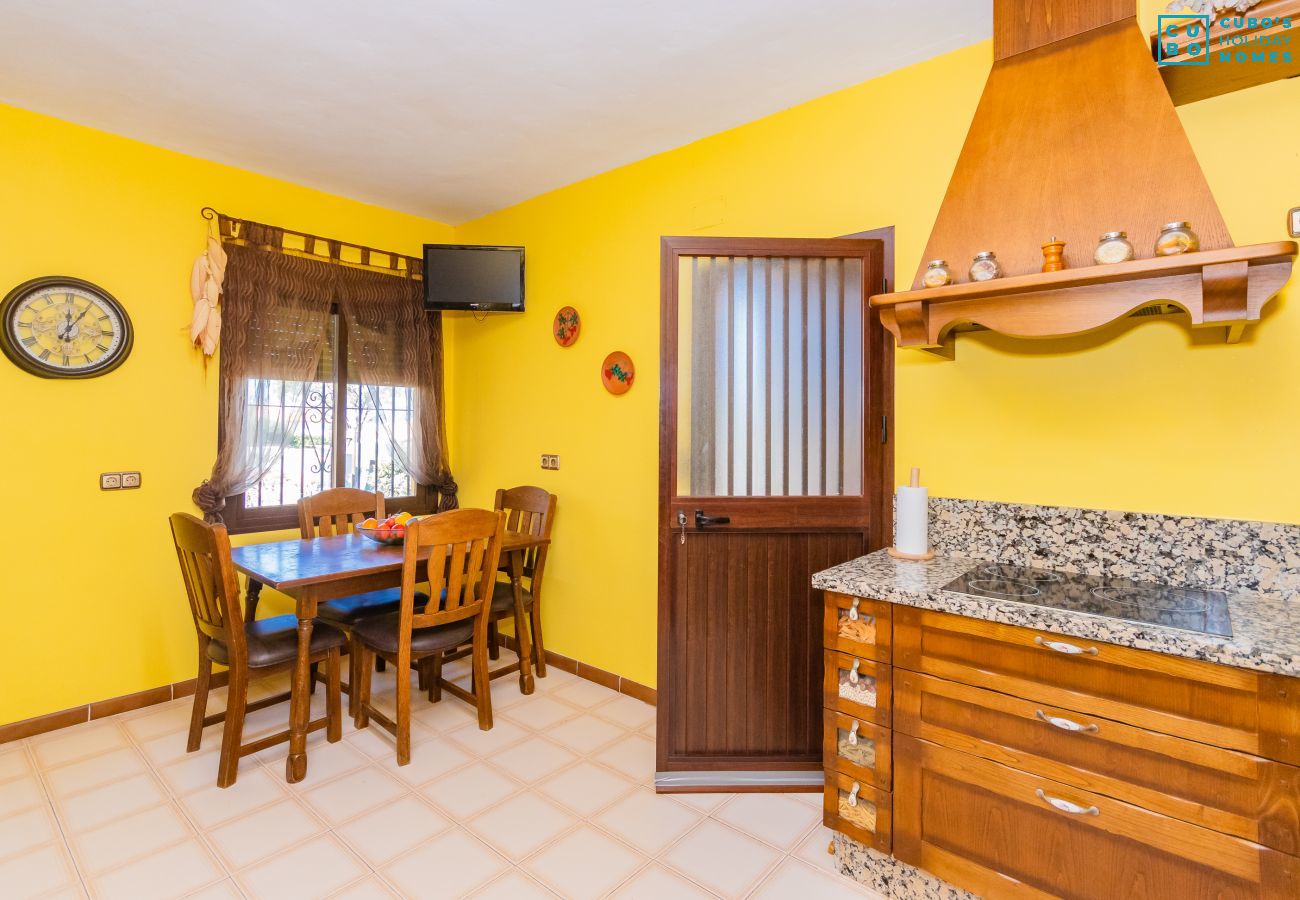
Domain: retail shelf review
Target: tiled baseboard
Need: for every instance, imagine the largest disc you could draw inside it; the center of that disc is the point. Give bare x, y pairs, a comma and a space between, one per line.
65, 718
591, 673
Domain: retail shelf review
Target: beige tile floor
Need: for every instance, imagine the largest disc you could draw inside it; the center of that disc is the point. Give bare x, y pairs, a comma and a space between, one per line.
556, 800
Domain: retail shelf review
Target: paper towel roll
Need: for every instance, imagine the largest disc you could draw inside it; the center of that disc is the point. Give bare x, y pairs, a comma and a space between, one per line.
912, 526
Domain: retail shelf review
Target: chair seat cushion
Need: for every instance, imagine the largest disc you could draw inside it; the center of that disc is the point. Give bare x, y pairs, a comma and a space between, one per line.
274, 641
503, 597
380, 633
347, 610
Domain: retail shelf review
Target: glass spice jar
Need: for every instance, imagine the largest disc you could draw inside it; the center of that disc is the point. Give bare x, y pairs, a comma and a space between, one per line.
985, 267
1175, 238
1114, 247
937, 274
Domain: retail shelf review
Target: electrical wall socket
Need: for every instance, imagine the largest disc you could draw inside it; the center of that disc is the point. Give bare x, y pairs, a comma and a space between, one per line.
116, 481
550, 461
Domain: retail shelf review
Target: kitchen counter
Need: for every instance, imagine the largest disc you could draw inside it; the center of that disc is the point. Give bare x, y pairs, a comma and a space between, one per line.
1266, 628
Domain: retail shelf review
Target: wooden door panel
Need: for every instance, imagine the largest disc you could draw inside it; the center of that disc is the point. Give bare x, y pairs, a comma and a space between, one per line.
744, 650
1003, 833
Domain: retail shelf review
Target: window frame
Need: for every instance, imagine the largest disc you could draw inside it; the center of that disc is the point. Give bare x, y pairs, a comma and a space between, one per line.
241, 519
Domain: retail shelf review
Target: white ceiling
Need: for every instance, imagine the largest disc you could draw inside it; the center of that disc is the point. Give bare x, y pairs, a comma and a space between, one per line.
450, 108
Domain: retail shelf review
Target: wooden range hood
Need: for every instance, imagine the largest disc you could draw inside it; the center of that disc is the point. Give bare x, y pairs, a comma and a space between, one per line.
1075, 135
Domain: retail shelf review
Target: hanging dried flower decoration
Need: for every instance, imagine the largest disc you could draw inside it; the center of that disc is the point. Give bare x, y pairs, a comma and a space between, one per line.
205, 287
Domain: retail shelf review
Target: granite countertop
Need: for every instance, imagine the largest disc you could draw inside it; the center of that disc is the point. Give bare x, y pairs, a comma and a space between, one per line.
1266, 629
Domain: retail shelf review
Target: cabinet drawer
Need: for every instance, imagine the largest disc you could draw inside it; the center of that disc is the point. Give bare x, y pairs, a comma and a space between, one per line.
858, 626
856, 748
1218, 705
857, 686
1225, 790
999, 832
857, 809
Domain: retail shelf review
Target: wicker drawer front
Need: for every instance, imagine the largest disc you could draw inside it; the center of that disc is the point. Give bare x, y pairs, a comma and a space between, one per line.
858, 626
859, 749
1224, 790
857, 687
857, 809
1211, 704
999, 832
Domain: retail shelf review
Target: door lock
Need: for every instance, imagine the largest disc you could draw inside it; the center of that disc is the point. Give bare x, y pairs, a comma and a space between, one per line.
681, 521
703, 521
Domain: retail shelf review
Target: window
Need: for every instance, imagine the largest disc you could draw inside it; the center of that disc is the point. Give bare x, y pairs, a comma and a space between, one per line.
328, 446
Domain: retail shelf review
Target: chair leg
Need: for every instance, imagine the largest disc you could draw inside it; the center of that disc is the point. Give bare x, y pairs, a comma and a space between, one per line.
435, 678
333, 702
201, 687
233, 736
403, 719
380, 664
361, 687
422, 675
482, 682
494, 638
354, 677
313, 676
539, 652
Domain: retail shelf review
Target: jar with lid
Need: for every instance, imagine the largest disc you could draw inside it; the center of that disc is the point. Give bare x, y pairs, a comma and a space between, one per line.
1175, 238
937, 274
985, 267
1114, 247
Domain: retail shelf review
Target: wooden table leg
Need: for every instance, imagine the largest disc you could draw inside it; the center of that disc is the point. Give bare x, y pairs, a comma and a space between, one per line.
522, 641
295, 765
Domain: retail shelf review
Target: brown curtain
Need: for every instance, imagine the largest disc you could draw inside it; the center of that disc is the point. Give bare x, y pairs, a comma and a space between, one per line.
277, 307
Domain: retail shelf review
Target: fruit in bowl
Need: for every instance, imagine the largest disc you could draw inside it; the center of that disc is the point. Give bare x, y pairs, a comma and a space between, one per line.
390, 531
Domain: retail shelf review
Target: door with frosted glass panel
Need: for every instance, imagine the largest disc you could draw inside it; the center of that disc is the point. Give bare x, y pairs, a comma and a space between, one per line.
774, 464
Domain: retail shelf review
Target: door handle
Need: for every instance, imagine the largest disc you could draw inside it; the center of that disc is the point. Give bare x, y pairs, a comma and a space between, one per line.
703, 521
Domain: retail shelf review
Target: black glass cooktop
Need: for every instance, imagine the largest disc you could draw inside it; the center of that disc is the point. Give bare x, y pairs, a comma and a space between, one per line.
1191, 609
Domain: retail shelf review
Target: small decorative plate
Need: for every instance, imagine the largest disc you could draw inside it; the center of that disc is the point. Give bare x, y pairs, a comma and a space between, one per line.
566, 327
617, 372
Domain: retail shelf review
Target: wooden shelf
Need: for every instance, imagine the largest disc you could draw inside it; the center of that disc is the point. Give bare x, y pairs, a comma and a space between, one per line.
1189, 83
1221, 288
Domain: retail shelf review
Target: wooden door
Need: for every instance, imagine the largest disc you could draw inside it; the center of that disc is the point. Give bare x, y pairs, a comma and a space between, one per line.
775, 463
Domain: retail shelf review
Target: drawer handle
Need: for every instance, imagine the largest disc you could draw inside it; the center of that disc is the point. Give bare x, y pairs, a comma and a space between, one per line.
1063, 647
853, 794
1066, 724
1066, 806
853, 673
853, 610
853, 734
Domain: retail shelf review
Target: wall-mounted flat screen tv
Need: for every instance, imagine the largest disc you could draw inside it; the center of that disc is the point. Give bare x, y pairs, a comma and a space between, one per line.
473, 277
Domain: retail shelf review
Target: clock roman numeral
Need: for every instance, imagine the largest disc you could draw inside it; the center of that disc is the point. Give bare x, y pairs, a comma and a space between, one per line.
29, 341
45, 355
101, 348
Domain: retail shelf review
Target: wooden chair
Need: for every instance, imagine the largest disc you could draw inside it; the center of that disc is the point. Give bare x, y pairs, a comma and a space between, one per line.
225, 638
334, 512
465, 548
528, 510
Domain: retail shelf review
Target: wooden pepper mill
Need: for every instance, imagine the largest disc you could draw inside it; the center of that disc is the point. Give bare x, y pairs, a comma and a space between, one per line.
1054, 255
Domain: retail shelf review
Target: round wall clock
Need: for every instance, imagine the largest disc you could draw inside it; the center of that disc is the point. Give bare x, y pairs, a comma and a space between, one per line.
60, 327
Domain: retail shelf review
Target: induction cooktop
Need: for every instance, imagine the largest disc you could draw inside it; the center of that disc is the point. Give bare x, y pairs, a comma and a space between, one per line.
1185, 608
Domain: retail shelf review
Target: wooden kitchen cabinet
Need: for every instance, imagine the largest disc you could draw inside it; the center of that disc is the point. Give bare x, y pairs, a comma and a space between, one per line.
857, 809
858, 749
857, 686
1000, 832
1225, 790
858, 626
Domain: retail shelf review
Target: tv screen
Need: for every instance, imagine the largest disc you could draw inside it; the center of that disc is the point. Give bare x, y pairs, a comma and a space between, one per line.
473, 277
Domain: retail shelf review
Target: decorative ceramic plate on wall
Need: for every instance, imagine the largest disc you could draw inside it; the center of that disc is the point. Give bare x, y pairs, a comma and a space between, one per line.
566, 326
617, 372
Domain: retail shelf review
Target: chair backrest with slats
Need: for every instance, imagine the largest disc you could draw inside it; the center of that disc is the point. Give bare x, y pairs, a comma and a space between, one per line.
337, 511
464, 547
529, 510
210, 581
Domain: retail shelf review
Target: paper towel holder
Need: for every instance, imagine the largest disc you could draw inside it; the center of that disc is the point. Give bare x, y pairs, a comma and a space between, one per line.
914, 557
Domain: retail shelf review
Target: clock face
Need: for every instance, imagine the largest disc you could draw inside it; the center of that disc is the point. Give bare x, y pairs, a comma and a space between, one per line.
60, 327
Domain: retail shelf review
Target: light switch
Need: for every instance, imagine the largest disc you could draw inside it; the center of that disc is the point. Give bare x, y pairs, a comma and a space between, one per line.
110, 481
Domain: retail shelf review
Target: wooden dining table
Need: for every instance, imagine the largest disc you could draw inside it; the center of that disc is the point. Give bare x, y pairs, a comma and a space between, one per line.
328, 568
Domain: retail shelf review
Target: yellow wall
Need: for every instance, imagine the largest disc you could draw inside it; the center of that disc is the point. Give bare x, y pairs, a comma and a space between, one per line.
1146, 418
92, 600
